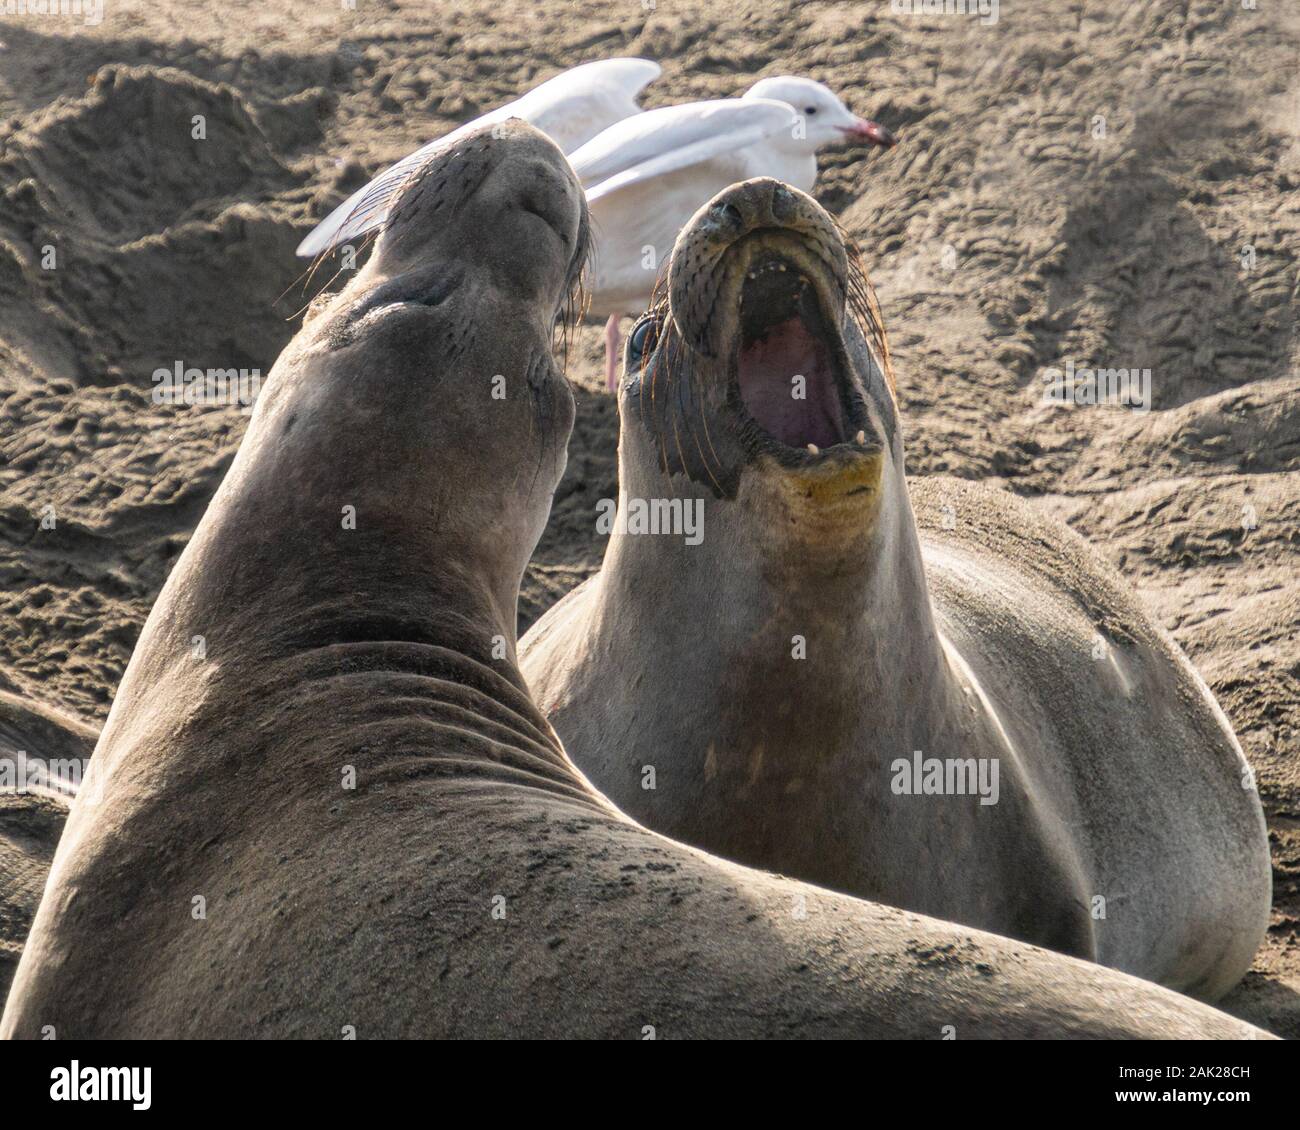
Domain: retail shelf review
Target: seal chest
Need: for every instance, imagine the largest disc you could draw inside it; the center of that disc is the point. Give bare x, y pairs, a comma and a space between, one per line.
817, 622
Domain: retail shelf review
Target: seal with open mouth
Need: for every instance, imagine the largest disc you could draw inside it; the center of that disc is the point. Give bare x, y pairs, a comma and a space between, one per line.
345, 816
972, 718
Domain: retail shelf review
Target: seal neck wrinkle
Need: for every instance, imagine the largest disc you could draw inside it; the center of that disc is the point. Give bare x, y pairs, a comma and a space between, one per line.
340, 562
427, 676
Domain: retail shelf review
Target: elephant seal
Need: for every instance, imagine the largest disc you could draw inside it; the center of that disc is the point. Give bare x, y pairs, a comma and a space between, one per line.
972, 719
328, 805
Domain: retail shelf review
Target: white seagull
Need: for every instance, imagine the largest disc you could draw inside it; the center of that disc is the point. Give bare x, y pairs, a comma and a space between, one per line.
645, 176
570, 108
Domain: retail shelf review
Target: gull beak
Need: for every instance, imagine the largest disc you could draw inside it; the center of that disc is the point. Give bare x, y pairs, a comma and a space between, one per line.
873, 132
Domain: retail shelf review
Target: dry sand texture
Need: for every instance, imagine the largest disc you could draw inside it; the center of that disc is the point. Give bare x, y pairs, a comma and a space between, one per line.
1108, 184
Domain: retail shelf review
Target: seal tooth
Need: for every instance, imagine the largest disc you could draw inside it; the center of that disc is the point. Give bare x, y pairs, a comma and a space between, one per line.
813, 449
861, 437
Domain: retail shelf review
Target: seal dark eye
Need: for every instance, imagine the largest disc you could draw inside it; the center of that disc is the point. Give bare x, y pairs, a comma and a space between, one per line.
810, 109
645, 336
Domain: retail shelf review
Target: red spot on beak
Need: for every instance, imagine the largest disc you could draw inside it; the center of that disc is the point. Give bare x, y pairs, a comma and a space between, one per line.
872, 132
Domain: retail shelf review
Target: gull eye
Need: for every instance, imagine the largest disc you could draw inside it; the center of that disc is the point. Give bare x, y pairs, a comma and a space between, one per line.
645, 336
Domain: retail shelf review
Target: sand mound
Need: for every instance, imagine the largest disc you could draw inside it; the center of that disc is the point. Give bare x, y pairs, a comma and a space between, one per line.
138, 206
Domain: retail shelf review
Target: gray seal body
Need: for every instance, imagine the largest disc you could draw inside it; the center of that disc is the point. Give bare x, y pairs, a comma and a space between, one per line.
935, 699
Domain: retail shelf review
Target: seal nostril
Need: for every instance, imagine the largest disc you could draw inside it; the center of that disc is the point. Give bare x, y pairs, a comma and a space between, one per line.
546, 215
783, 203
729, 214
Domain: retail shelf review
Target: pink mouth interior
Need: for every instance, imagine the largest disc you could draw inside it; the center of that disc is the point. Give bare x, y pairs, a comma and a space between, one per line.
768, 363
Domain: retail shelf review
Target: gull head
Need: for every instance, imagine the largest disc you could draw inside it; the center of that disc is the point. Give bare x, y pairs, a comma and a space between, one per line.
823, 118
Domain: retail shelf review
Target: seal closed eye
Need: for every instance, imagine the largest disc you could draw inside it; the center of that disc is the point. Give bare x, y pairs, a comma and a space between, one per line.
430, 287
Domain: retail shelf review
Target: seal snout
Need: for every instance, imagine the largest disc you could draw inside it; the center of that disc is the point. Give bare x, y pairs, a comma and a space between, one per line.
759, 285
761, 203
496, 217
760, 219
501, 200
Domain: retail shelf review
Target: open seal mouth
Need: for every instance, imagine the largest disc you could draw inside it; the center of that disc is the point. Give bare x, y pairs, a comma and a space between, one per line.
797, 397
763, 345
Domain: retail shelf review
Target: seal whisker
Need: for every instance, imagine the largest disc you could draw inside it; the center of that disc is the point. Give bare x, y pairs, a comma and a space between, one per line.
306, 282
703, 419
655, 405
577, 298
865, 307
681, 455
717, 486
366, 242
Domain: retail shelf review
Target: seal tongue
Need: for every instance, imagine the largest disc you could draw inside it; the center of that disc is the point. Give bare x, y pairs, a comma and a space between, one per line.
767, 371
